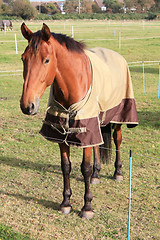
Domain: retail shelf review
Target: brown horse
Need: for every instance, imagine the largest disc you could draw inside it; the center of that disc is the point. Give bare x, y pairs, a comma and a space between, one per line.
60, 61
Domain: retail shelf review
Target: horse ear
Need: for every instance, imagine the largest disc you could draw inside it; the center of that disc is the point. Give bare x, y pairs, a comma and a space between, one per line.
26, 32
46, 34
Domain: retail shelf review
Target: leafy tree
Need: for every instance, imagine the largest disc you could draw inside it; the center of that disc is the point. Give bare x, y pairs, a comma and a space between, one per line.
53, 8
157, 5
49, 8
5, 8
149, 4
0, 3
86, 6
7, 1
139, 5
71, 6
23, 8
130, 4
114, 5
144, 5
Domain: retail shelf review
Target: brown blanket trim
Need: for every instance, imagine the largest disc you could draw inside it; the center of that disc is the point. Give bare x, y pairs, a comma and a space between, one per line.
124, 113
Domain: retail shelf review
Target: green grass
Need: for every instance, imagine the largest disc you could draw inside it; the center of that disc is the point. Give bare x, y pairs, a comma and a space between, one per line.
7, 233
30, 177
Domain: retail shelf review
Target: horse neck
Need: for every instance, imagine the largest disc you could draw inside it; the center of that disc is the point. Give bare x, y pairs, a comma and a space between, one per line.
73, 76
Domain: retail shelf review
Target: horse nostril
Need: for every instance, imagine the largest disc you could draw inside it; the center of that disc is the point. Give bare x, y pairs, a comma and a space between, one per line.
31, 109
32, 106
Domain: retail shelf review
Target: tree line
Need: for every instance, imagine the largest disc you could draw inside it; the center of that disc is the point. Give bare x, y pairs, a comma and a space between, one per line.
19, 8
24, 9
112, 6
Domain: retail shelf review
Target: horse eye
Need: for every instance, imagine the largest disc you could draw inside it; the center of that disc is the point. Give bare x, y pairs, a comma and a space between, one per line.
46, 61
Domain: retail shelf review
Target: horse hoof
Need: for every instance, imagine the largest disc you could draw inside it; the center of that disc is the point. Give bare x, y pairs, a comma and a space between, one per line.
118, 178
66, 210
95, 180
87, 214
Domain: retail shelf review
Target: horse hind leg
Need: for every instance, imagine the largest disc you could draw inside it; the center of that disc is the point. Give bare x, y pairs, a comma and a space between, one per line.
96, 166
86, 170
117, 136
65, 206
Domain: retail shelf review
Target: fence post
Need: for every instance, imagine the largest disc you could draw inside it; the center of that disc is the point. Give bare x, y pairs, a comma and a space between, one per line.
5, 28
72, 32
143, 78
129, 207
143, 24
16, 44
159, 82
119, 40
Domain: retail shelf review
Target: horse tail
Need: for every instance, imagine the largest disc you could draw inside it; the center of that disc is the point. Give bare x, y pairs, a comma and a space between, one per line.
105, 149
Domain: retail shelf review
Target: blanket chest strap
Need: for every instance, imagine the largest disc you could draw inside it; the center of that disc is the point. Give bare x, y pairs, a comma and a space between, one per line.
59, 127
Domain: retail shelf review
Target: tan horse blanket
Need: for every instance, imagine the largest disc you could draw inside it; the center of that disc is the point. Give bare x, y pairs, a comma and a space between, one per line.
110, 99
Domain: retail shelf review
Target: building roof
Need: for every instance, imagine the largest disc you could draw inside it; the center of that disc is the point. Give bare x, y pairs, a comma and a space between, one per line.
35, 4
99, 3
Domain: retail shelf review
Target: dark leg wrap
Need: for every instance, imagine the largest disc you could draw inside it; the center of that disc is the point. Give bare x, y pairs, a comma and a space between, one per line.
96, 170
66, 169
87, 171
117, 140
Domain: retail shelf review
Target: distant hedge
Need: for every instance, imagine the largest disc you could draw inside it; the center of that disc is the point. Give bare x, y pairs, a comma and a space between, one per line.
9, 17
98, 16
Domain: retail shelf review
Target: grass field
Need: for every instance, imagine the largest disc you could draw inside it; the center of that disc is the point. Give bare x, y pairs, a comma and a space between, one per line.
30, 173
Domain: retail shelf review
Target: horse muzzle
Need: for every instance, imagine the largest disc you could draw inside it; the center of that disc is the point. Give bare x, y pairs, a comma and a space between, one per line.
31, 109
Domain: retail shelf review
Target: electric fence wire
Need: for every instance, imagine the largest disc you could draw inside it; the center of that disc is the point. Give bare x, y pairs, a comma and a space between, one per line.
75, 143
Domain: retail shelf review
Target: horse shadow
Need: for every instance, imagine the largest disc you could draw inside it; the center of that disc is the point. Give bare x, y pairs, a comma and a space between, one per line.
26, 164
43, 202
40, 167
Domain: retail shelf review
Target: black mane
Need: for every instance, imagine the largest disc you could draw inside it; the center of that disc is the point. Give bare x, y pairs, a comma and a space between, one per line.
70, 43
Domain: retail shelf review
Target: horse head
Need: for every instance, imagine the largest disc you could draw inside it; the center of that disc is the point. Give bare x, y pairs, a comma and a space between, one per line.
39, 67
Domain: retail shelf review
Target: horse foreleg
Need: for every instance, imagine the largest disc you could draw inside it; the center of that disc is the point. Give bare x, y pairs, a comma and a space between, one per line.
96, 166
86, 170
65, 206
117, 136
